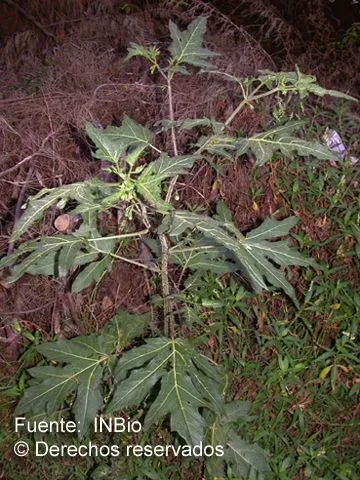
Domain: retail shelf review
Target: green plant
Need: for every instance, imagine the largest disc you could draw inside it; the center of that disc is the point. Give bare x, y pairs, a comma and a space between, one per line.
350, 37
167, 376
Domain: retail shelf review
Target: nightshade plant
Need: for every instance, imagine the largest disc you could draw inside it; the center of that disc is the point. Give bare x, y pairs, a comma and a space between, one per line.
165, 375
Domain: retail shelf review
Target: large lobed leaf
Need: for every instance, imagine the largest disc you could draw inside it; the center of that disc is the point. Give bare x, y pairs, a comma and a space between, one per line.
255, 253
87, 194
219, 145
186, 46
186, 380
130, 134
82, 374
200, 256
80, 369
264, 145
60, 254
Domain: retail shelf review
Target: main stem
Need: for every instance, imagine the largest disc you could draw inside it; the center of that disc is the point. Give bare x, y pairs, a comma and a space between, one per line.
169, 319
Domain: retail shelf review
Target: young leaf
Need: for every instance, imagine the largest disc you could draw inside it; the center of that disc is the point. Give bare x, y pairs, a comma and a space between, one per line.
304, 84
149, 181
186, 47
264, 145
186, 384
320, 91
255, 254
136, 50
133, 155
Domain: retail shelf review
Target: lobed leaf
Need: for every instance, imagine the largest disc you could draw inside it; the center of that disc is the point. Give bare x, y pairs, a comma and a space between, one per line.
243, 460
186, 46
130, 134
186, 384
246, 461
149, 181
219, 145
106, 148
56, 383
264, 145
254, 253
41, 202
124, 327
212, 259
85, 360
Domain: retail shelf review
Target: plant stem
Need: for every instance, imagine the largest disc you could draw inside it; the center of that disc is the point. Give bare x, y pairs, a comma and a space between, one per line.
173, 138
250, 98
169, 320
127, 260
123, 235
154, 148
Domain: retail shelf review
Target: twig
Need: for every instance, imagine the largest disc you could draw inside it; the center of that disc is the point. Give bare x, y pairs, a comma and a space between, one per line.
31, 19
29, 157
19, 202
12, 129
26, 159
25, 312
